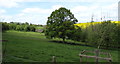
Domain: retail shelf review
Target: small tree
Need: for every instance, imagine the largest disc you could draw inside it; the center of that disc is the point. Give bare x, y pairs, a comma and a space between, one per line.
60, 23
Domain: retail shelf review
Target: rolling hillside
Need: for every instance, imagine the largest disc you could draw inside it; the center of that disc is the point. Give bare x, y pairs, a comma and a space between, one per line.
21, 46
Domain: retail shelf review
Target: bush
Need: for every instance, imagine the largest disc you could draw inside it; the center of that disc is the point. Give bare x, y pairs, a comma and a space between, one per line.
32, 28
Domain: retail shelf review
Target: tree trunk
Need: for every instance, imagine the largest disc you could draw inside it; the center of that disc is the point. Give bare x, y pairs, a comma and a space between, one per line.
63, 40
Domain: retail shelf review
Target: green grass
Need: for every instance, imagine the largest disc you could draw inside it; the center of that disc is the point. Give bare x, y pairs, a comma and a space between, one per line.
34, 47
39, 27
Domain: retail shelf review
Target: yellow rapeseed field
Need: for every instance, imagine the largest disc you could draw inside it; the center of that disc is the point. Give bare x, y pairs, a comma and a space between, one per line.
84, 25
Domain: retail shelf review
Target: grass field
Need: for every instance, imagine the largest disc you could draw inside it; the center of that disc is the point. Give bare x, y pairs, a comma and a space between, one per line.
34, 47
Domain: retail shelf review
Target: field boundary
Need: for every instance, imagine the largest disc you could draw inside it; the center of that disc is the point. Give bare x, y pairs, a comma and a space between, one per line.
96, 56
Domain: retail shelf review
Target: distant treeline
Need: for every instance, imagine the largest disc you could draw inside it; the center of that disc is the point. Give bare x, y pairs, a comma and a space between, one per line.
19, 26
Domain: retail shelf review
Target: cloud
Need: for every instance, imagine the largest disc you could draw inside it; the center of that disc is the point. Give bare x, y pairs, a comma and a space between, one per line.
57, 6
31, 15
35, 10
2, 11
78, 9
8, 3
41, 10
5, 18
73, 0
83, 13
16, 3
84, 9
30, 18
21, 14
36, 15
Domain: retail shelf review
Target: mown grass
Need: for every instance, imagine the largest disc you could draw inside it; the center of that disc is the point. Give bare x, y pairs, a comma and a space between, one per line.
34, 47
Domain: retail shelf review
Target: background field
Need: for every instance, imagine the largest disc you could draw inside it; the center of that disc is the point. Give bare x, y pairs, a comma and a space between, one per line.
34, 47
84, 25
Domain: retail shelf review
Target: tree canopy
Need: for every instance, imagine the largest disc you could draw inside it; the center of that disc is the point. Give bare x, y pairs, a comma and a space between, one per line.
60, 24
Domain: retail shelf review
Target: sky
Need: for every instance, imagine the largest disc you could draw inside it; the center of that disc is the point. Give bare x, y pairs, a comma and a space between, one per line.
37, 11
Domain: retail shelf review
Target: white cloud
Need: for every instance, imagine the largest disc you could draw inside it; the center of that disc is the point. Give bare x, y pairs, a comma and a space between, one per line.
35, 10
16, 3
2, 11
82, 13
68, 0
78, 9
57, 6
31, 15
30, 18
84, 9
41, 10
6, 18
8, 3
36, 15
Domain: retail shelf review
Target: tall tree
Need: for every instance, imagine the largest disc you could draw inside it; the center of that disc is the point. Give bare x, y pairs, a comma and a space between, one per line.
60, 24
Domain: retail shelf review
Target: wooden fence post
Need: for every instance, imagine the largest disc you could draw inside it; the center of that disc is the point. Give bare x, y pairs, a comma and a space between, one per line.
97, 54
110, 57
80, 58
54, 59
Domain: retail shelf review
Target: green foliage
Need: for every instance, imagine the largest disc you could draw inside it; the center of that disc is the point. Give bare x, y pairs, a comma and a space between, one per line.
27, 28
32, 28
12, 26
83, 35
60, 24
103, 35
18, 26
75, 34
5, 26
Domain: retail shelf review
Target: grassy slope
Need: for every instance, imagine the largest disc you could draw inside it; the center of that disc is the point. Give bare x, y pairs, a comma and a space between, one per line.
34, 47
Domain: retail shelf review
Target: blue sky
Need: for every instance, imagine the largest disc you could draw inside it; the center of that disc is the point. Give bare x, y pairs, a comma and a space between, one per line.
37, 11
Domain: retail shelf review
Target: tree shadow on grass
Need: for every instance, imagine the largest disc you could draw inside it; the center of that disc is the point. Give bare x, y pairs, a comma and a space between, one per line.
70, 43
79, 44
